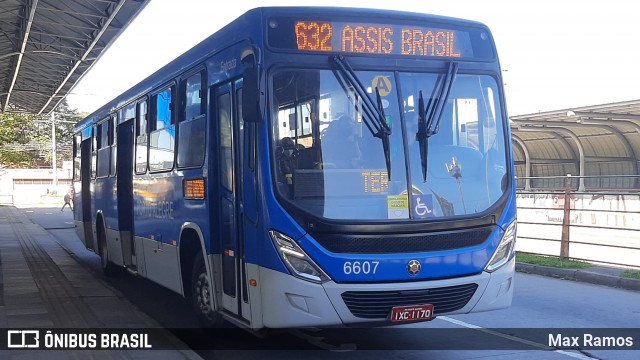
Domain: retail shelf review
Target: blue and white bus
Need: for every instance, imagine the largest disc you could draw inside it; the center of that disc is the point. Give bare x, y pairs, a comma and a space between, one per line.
310, 167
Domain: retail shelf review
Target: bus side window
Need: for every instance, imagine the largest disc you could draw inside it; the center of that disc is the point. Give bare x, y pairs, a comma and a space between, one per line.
77, 157
113, 129
141, 137
104, 149
251, 137
94, 150
225, 143
191, 129
162, 137
192, 88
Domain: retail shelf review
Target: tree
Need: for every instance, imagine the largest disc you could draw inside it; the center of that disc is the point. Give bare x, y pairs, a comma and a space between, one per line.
16, 146
66, 118
25, 139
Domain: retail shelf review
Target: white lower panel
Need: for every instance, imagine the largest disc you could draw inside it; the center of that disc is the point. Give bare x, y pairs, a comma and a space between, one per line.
84, 230
114, 244
162, 263
499, 290
290, 302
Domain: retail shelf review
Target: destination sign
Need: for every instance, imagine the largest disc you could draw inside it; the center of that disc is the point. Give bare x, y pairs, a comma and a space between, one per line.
437, 39
392, 37
380, 39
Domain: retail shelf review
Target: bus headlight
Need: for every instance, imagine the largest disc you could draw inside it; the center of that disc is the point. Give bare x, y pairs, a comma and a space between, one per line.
298, 263
504, 250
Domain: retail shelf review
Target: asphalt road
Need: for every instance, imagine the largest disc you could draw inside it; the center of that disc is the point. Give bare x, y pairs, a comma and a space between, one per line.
550, 306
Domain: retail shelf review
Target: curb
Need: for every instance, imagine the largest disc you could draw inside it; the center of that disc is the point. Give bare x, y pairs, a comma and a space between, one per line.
583, 275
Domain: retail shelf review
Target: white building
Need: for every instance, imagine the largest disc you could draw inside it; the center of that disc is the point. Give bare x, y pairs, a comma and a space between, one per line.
34, 186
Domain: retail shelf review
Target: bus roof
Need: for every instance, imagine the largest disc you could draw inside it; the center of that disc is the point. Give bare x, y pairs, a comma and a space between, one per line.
246, 24
364, 13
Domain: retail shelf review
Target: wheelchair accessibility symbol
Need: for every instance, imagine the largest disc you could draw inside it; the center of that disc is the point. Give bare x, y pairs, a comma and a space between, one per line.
422, 206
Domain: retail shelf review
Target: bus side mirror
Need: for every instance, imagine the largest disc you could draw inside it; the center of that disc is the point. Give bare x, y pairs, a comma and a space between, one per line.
251, 96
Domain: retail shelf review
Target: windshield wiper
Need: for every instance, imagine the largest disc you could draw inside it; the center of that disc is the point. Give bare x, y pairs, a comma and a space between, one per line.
429, 118
374, 117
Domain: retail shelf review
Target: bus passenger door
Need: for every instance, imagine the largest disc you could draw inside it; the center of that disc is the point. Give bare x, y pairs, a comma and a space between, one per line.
230, 132
85, 193
125, 191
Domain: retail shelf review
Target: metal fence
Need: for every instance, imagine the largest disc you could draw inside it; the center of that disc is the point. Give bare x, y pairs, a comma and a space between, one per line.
601, 226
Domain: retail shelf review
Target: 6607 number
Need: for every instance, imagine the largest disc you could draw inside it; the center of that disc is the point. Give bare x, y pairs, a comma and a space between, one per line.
360, 267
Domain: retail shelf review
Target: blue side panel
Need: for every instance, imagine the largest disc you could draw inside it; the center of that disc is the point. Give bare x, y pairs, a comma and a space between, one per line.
105, 200
155, 199
260, 249
160, 209
196, 211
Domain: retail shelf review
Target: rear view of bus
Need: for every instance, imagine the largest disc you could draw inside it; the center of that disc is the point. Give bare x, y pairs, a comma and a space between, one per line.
388, 191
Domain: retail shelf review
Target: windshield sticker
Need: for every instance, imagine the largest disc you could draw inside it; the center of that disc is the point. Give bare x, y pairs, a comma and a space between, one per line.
422, 206
383, 84
398, 206
375, 182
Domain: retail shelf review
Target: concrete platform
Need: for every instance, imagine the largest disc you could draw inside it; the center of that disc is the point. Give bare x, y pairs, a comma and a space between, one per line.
43, 287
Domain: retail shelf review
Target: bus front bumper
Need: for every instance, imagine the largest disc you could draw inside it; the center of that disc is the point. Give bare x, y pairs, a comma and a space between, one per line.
290, 302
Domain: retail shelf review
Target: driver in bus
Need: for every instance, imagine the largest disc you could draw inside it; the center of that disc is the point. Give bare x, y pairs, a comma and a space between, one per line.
340, 147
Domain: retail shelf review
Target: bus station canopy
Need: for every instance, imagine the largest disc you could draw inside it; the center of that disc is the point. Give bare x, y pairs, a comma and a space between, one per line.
46, 46
598, 145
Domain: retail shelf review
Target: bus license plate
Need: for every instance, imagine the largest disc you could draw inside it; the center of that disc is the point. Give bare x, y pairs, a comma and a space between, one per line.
412, 313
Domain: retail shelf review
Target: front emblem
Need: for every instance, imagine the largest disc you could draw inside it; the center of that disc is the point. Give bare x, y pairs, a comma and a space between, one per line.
413, 267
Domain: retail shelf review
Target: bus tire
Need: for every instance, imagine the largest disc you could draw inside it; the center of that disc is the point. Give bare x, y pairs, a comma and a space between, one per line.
201, 293
109, 269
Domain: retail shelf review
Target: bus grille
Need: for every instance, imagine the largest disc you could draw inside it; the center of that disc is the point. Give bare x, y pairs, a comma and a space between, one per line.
399, 243
378, 304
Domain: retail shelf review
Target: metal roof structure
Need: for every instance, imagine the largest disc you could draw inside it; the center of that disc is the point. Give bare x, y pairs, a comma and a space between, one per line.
46, 46
599, 145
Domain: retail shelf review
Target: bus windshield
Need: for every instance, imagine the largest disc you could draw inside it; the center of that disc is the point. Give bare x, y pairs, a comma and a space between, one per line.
329, 163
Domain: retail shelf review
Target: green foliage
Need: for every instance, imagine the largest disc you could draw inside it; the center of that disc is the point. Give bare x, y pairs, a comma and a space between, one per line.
66, 118
15, 134
25, 139
550, 261
14, 128
631, 274
16, 159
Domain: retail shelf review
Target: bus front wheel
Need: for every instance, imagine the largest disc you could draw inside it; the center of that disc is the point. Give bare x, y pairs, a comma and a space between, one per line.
201, 294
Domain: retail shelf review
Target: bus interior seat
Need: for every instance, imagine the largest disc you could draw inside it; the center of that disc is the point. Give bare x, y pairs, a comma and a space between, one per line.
339, 148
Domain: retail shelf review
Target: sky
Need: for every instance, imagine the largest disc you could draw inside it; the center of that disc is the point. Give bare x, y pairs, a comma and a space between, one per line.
555, 54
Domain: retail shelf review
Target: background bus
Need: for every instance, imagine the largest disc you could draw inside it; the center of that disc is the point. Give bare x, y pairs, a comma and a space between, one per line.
310, 167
